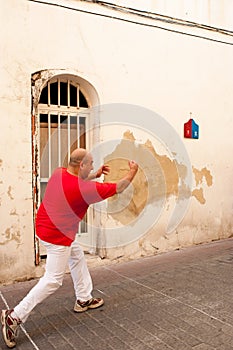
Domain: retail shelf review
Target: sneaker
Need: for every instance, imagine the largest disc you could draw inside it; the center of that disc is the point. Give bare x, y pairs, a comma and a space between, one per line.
9, 328
81, 306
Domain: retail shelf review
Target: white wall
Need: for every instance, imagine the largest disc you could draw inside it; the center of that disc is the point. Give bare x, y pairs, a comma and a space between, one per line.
168, 73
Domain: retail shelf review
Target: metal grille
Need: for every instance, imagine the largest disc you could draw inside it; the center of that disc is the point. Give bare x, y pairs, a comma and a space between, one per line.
63, 115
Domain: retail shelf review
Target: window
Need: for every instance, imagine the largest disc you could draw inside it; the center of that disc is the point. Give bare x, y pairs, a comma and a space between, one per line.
63, 115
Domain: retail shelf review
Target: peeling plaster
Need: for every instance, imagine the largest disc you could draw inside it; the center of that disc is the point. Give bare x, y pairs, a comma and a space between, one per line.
198, 194
9, 192
165, 177
11, 234
39, 80
203, 173
169, 170
157, 179
200, 176
13, 212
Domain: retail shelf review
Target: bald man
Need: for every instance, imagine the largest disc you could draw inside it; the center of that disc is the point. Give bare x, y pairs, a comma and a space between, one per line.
68, 194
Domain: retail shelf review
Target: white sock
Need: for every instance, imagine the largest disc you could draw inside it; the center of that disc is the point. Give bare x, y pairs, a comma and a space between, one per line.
13, 315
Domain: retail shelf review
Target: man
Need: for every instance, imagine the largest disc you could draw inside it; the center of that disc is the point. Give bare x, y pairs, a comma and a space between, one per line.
68, 195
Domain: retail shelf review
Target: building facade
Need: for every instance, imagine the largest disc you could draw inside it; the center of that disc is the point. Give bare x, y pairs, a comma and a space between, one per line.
127, 80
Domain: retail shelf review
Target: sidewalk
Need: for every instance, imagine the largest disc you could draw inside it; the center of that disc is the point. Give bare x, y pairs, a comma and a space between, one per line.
181, 300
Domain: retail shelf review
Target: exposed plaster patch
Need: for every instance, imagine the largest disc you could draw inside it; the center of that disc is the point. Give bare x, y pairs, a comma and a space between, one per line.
128, 135
130, 203
169, 169
200, 176
203, 173
11, 234
160, 177
198, 194
13, 212
39, 80
9, 192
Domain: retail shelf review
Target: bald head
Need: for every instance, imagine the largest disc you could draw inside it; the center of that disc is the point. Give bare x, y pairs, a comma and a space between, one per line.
77, 156
81, 163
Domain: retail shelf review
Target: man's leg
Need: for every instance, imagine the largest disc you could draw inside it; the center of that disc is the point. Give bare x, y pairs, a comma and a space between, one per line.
57, 259
56, 263
80, 273
82, 280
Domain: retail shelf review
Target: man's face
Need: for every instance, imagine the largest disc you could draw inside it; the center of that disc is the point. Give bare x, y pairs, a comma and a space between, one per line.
86, 166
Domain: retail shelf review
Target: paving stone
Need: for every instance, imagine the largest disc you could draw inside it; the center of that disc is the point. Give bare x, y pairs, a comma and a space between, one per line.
203, 347
174, 301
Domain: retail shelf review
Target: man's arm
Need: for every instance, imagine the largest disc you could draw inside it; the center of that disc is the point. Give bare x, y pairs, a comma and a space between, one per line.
123, 183
126, 180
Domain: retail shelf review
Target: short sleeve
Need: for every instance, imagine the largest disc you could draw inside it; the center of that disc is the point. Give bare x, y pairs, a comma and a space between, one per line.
93, 192
106, 190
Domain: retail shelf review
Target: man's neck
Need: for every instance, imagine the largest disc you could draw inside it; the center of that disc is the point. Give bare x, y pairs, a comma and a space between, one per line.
73, 171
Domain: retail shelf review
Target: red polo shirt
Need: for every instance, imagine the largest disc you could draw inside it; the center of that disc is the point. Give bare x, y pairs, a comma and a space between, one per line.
66, 200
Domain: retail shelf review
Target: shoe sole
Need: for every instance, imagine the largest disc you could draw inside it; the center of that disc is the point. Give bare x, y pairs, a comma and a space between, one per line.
10, 346
96, 307
89, 307
83, 309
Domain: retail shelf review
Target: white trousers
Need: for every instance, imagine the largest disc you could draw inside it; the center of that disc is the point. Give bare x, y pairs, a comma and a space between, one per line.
57, 259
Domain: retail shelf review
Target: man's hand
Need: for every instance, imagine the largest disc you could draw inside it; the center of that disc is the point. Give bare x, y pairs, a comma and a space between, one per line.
104, 169
133, 165
128, 178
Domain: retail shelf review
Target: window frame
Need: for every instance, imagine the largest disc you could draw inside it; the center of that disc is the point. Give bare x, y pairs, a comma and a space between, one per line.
39, 80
